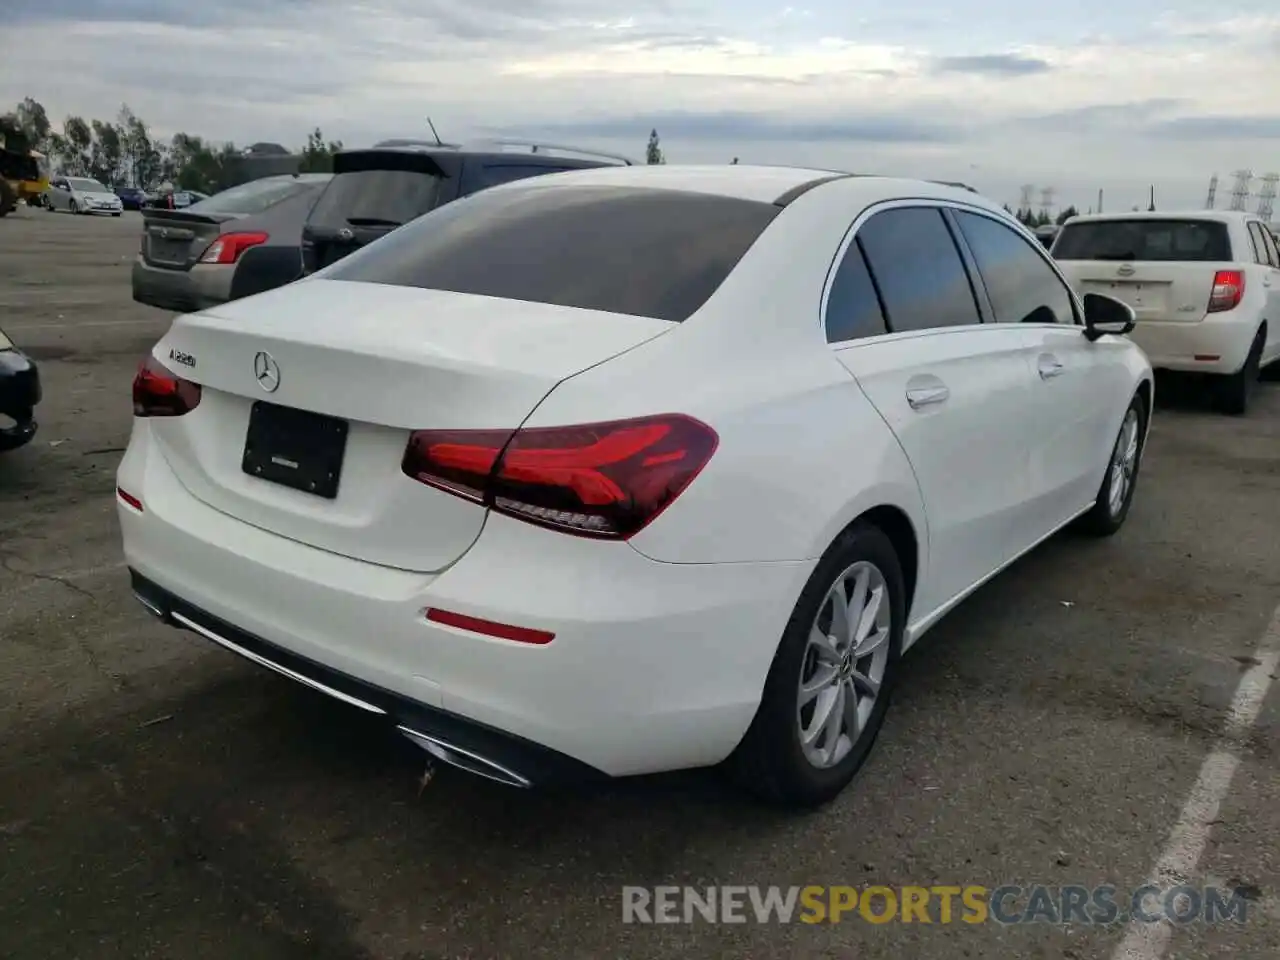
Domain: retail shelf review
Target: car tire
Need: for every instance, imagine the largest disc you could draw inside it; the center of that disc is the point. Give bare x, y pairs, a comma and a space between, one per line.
115, 214
1109, 510
771, 762
72, 207
1234, 391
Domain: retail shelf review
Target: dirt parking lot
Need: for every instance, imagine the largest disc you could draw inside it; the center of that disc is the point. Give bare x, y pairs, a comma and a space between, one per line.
160, 798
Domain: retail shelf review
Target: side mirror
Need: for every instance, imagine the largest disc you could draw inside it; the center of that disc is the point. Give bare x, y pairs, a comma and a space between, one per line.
1103, 315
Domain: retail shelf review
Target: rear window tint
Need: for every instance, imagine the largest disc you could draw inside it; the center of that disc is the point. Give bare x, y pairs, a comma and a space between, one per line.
257, 195
636, 251
375, 198
1145, 239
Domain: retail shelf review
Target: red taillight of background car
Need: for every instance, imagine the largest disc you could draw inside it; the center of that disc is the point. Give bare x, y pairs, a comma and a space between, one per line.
159, 393
228, 247
1228, 289
605, 480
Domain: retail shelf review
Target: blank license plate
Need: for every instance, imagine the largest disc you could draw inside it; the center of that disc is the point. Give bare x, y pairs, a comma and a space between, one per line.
295, 448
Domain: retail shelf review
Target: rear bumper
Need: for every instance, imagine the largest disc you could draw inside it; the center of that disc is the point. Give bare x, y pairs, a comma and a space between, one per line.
19, 393
654, 666
500, 756
182, 291
1221, 341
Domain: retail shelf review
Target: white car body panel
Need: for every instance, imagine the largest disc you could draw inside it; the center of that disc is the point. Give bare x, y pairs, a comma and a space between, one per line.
1170, 299
663, 642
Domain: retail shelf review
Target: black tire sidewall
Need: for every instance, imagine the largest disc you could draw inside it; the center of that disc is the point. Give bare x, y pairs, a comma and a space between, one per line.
1103, 505
775, 724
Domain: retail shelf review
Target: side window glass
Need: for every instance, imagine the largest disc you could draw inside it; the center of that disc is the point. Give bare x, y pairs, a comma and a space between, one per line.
853, 309
1259, 244
915, 263
1273, 252
496, 174
1022, 287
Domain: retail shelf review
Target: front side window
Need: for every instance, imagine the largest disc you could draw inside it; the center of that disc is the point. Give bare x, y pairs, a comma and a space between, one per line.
922, 280
1021, 286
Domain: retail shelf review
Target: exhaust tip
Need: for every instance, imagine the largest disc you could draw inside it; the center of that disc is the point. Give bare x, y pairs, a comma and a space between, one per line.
466, 760
151, 607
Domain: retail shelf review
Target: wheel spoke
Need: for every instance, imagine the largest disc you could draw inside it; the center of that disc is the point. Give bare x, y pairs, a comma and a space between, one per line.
858, 600
869, 620
823, 646
852, 715
822, 712
868, 686
839, 631
823, 676
835, 719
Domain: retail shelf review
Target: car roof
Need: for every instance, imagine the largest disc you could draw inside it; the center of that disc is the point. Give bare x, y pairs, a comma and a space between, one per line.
760, 183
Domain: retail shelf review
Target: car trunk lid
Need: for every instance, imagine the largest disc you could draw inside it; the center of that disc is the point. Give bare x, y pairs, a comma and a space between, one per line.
176, 239
1164, 268
358, 367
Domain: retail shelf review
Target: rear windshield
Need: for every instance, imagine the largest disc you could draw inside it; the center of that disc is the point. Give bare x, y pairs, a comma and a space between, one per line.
257, 195
1144, 239
642, 252
375, 198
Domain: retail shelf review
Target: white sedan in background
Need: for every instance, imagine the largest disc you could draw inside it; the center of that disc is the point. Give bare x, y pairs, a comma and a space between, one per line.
631, 469
82, 195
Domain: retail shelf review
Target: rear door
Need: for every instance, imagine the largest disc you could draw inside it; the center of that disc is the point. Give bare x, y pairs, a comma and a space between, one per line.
1078, 388
1268, 259
1163, 267
372, 193
905, 321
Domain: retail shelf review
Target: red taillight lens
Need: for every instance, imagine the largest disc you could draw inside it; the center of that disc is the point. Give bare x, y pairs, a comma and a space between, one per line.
228, 247
606, 480
1228, 289
158, 393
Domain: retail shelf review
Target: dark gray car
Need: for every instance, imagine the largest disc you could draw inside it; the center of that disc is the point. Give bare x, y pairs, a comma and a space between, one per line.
233, 244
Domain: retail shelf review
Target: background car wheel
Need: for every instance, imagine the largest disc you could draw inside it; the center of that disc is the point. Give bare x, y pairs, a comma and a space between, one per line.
1121, 479
828, 689
1233, 392
71, 207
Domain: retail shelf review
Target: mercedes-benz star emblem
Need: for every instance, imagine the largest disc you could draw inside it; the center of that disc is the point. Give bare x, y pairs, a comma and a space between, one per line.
266, 371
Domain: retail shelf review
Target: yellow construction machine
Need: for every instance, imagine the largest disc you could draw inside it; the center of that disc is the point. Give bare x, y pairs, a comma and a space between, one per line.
24, 173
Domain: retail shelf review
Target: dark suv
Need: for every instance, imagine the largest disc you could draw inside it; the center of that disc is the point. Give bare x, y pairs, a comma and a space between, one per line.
377, 189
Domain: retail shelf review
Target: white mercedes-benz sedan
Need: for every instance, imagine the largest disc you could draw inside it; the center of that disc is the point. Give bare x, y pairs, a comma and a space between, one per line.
631, 469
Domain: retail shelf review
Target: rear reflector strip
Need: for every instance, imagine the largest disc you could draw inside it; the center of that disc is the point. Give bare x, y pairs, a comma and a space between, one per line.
130, 499
502, 631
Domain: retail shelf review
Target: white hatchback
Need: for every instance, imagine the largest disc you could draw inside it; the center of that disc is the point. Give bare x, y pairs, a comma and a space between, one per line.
631, 469
1204, 286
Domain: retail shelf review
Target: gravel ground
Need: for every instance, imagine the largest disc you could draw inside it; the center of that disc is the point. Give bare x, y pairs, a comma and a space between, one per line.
160, 798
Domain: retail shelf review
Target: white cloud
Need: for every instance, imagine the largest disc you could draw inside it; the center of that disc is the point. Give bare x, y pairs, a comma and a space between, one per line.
1167, 100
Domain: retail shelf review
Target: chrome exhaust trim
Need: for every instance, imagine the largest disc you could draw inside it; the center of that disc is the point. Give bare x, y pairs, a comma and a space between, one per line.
473, 763
271, 665
151, 607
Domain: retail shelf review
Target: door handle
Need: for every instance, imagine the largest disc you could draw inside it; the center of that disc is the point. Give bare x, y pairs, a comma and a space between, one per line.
1050, 367
919, 397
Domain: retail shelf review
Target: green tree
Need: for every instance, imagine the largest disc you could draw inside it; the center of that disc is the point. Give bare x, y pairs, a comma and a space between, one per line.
105, 153
317, 155
34, 123
653, 154
1067, 214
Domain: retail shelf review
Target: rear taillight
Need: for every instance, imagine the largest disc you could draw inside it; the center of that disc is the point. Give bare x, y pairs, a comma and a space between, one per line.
606, 480
1228, 289
158, 393
228, 247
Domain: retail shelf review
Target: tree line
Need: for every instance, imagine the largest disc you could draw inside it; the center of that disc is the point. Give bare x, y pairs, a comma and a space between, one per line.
125, 153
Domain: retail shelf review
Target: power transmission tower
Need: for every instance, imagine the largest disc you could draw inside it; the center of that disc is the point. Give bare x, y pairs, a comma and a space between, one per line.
1024, 205
1267, 198
1213, 192
1240, 191
1046, 201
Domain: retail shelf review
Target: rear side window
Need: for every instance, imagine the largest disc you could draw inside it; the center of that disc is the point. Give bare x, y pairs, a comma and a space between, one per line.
853, 308
1022, 287
1157, 240
375, 198
257, 195
1273, 252
915, 263
643, 252
1261, 251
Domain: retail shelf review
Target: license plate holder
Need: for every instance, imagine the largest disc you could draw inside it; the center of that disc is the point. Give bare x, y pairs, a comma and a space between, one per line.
295, 448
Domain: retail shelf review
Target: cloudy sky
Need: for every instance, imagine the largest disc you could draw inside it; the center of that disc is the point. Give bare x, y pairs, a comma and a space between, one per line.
1079, 96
